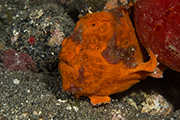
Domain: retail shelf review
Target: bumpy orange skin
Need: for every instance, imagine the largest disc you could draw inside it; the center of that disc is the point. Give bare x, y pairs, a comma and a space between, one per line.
103, 56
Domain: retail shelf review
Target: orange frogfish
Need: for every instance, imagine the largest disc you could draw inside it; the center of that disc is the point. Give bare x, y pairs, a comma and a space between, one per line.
103, 56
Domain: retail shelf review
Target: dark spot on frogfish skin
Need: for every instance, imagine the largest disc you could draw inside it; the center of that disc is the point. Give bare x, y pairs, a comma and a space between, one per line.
73, 88
129, 61
81, 71
117, 13
113, 53
77, 36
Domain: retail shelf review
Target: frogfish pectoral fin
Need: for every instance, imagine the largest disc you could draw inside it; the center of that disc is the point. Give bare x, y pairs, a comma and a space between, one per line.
97, 100
152, 67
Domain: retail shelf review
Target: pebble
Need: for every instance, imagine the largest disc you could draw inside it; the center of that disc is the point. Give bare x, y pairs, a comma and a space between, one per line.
69, 107
28, 91
62, 101
16, 81
75, 108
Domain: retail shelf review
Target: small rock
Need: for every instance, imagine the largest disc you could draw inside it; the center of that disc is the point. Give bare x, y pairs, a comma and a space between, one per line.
16, 81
